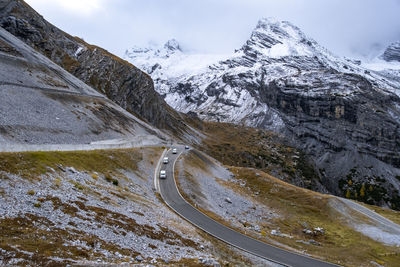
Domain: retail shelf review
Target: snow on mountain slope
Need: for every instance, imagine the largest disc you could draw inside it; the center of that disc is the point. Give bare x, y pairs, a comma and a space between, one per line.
343, 115
275, 50
170, 62
388, 63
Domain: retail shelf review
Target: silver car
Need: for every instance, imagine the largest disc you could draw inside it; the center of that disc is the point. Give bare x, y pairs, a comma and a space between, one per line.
165, 160
174, 151
163, 174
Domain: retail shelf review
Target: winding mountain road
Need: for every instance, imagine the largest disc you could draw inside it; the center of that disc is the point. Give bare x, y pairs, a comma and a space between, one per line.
170, 194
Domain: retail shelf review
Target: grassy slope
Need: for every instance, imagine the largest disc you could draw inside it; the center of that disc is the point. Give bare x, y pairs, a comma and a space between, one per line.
236, 145
298, 207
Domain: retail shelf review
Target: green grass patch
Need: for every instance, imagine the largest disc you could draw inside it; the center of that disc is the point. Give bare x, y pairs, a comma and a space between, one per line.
33, 164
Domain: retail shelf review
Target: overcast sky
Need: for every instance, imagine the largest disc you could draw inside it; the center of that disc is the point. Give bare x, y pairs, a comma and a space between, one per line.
346, 27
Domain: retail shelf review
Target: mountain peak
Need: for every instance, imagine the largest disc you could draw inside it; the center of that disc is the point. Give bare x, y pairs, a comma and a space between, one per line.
276, 39
266, 23
154, 50
172, 45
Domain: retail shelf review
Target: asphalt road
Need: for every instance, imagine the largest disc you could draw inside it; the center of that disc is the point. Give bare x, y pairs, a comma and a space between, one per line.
170, 194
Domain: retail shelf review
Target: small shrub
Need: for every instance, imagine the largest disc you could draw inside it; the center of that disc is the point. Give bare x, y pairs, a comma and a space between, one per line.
31, 192
95, 176
348, 194
263, 233
57, 182
115, 182
362, 191
108, 177
78, 186
37, 205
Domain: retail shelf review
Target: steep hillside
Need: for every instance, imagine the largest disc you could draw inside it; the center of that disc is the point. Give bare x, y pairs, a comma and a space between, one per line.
257, 204
342, 115
119, 80
41, 103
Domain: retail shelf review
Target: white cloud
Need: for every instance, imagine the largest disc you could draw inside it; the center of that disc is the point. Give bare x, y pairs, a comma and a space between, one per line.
77, 7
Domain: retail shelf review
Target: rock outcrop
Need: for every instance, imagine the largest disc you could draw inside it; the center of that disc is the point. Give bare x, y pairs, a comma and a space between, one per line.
345, 117
392, 52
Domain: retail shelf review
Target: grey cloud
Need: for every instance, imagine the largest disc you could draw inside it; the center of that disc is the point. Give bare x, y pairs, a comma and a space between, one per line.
352, 28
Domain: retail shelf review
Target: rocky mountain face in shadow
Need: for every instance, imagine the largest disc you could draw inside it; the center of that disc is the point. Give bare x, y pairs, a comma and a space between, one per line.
119, 80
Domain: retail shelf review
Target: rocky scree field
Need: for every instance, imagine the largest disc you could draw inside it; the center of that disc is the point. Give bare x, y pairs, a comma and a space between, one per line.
93, 208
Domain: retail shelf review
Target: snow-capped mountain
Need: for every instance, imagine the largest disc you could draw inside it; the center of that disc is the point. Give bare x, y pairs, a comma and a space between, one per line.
169, 62
275, 50
343, 115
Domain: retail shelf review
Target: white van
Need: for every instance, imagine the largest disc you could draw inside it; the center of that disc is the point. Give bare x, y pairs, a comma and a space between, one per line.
165, 160
163, 174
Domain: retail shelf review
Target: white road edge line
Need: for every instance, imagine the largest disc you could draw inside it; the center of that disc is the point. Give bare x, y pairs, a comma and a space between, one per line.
156, 170
274, 261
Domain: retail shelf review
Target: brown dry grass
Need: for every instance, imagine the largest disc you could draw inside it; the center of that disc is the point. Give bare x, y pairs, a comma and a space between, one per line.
27, 234
30, 165
341, 244
237, 145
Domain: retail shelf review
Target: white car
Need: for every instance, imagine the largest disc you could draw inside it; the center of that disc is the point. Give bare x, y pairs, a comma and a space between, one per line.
163, 174
174, 151
165, 160
186, 147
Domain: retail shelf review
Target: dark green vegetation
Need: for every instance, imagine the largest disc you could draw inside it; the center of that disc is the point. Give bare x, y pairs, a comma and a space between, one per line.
370, 191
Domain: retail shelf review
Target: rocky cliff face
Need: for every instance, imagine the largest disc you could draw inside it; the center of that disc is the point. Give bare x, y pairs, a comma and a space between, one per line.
392, 52
345, 117
119, 80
